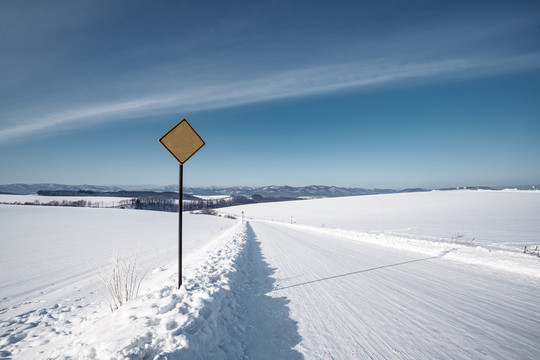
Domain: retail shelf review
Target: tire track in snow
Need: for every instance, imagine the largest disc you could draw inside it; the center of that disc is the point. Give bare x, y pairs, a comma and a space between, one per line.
354, 300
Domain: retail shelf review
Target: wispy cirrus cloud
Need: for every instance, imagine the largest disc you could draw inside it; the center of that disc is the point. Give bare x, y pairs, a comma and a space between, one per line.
264, 87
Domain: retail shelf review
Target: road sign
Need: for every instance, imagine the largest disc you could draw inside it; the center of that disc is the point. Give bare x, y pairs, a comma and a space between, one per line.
182, 141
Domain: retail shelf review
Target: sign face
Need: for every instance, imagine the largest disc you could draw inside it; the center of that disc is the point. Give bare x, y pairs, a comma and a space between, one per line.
182, 141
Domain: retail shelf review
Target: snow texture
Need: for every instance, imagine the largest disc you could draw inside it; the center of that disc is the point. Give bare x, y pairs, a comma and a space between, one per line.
96, 201
381, 279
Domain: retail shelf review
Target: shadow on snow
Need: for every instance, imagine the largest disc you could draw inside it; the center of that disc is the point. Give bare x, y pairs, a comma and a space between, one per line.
271, 332
357, 272
249, 323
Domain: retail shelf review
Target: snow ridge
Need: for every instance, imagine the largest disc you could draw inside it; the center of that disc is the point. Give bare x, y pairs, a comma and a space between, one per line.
237, 319
164, 322
167, 322
503, 260
222, 311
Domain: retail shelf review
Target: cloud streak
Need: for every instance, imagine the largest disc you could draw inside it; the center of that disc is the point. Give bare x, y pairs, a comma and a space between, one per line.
267, 87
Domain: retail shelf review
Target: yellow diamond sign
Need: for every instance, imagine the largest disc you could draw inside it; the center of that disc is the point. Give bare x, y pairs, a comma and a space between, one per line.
182, 141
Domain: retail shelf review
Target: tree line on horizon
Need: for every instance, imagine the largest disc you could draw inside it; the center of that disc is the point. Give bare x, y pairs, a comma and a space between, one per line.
148, 200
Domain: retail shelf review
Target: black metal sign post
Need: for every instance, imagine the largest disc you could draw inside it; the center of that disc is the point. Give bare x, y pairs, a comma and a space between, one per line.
180, 210
182, 141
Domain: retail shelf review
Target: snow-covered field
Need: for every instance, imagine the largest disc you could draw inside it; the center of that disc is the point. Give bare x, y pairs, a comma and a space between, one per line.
51, 255
96, 201
506, 220
91, 201
352, 278
499, 224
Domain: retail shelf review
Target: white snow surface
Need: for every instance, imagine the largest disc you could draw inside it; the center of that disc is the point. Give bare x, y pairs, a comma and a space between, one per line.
353, 300
502, 220
380, 280
97, 201
51, 256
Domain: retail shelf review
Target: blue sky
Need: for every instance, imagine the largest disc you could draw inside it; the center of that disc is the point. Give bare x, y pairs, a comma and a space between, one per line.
349, 93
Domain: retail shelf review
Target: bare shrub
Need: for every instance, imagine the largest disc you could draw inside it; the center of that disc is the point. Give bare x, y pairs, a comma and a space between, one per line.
207, 211
535, 251
122, 280
461, 240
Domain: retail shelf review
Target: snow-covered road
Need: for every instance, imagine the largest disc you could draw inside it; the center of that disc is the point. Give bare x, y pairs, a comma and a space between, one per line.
357, 301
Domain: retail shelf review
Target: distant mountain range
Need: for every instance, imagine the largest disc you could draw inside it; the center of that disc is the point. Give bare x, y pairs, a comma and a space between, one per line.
286, 191
312, 191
